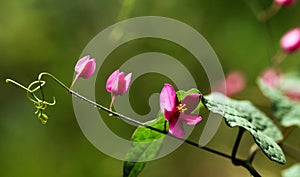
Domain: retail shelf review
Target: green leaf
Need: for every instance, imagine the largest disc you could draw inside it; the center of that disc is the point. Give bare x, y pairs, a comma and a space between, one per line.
180, 93
145, 146
146, 142
244, 114
293, 171
287, 111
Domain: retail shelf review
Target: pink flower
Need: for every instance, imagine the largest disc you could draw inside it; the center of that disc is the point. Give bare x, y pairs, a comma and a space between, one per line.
85, 67
271, 78
117, 84
292, 94
277, 80
233, 83
290, 41
176, 112
285, 2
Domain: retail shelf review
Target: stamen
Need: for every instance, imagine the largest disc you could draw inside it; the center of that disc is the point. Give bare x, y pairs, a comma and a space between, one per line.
181, 108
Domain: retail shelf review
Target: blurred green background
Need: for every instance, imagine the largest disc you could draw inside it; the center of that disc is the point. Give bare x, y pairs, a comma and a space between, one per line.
49, 35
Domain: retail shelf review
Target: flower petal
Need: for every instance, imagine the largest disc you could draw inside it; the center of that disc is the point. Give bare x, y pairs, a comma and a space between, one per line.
285, 2
127, 80
191, 102
88, 69
176, 128
168, 98
170, 116
190, 119
80, 63
111, 79
121, 85
292, 94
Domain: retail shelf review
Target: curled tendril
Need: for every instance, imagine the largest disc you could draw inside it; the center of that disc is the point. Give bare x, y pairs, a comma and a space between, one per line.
39, 104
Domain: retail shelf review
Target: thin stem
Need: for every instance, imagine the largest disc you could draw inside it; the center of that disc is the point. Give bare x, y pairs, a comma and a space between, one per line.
165, 126
254, 7
253, 151
112, 101
269, 12
235, 160
236, 146
269, 40
54, 78
257, 11
278, 58
123, 117
76, 77
238, 162
250, 168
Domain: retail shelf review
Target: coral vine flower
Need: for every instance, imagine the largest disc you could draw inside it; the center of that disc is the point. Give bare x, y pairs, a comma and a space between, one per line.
176, 112
277, 80
85, 68
293, 94
271, 78
234, 83
117, 84
285, 2
290, 41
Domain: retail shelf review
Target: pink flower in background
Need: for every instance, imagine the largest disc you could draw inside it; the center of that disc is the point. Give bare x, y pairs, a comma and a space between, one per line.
285, 2
117, 84
293, 94
277, 80
271, 77
290, 41
233, 83
85, 68
176, 112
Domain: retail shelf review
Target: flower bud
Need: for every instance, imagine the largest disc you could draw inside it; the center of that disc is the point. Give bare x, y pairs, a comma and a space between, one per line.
285, 2
85, 68
290, 41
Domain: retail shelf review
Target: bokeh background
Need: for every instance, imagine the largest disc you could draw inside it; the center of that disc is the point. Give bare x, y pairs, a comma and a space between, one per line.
49, 35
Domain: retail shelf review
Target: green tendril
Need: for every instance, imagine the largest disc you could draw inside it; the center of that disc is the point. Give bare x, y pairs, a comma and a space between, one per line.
39, 104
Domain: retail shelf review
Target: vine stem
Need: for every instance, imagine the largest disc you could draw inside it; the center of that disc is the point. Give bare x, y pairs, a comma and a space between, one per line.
269, 12
123, 117
233, 158
244, 163
263, 17
236, 146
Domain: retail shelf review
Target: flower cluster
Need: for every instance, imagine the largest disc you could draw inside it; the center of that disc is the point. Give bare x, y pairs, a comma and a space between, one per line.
175, 111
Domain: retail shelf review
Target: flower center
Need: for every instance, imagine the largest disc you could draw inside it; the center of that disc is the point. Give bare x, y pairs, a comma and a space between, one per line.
181, 108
